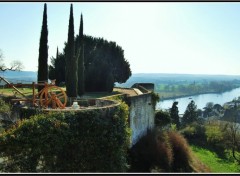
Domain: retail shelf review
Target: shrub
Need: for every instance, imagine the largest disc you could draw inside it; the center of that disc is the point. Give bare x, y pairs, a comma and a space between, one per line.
27, 112
6, 118
7, 99
161, 151
189, 131
181, 152
162, 118
210, 135
195, 133
141, 154
155, 99
215, 137
150, 151
214, 134
4, 107
83, 141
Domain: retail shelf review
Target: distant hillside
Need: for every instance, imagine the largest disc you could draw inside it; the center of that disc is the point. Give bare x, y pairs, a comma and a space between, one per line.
19, 76
156, 78
163, 78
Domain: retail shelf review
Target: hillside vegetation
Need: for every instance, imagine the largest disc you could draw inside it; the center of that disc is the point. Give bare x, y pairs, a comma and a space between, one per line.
215, 163
179, 85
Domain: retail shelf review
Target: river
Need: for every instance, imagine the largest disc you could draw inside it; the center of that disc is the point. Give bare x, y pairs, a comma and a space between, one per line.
200, 100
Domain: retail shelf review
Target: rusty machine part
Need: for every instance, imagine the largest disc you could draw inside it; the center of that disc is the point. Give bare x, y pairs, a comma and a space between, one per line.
50, 96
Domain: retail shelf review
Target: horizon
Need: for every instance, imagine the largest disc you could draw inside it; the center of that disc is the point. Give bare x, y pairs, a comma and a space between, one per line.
145, 73
160, 37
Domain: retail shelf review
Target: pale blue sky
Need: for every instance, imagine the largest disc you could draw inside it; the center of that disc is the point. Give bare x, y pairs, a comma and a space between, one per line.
170, 37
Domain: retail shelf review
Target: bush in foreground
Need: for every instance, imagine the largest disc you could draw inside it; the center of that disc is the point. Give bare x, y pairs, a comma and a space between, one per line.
85, 141
181, 153
162, 151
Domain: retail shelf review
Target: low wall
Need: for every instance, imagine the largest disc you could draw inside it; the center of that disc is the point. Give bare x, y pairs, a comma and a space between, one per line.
85, 105
141, 112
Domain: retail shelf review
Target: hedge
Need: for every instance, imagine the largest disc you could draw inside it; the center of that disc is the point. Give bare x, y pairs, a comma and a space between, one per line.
81, 141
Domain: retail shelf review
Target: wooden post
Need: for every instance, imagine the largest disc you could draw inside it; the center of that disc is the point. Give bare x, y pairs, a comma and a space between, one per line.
53, 101
46, 93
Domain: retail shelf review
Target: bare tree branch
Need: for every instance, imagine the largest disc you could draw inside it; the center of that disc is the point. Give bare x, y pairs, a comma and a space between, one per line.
233, 138
1, 54
2, 65
14, 66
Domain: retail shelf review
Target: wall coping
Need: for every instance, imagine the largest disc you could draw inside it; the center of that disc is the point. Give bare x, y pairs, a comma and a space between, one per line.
81, 108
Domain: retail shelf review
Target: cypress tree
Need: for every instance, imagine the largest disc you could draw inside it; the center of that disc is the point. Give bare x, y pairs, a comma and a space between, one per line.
190, 114
81, 68
57, 68
53, 68
43, 51
174, 114
57, 54
71, 60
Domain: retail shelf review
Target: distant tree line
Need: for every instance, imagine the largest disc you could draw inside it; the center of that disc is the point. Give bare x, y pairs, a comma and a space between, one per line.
204, 87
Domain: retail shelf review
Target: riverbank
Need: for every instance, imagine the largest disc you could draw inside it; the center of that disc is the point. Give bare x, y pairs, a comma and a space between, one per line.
200, 100
174, 95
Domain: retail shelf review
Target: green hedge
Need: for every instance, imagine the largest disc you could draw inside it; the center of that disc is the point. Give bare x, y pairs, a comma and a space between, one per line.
83, 141
26, 112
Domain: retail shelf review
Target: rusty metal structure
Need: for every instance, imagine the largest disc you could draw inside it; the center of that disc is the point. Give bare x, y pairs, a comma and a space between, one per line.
50, 96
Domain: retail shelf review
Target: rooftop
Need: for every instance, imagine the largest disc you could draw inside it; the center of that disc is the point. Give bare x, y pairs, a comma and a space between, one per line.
130, 91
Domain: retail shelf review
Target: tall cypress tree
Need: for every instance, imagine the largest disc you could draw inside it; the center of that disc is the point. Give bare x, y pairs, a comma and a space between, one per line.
57, 68
43, 51
57, 54
174, 114
81, 68
71, 60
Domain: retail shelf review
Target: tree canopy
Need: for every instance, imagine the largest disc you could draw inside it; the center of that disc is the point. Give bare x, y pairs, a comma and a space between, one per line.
104, 64
174, 114
190, 114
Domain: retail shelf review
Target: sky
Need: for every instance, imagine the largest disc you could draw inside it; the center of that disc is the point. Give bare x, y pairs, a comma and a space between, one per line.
157, 37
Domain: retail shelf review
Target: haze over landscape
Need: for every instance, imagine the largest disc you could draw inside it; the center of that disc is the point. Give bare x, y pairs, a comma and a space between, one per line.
119, 87
192, 38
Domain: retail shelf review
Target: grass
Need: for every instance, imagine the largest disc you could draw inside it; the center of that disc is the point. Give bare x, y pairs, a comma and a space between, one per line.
216, 164
198, 166
10, 91
28, 92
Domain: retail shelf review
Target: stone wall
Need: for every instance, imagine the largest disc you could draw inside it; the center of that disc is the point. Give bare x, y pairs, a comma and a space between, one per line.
141, 116
141, 112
